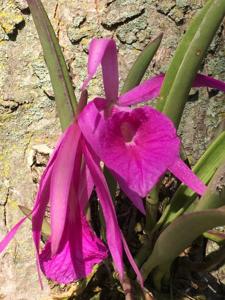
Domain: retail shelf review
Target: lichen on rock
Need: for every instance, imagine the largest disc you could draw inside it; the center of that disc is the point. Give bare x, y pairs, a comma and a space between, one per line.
10, 17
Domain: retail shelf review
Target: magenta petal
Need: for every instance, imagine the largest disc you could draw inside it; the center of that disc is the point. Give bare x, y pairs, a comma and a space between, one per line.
147, 90
132, 261
206, 81
60, 183
187, 176
136, 200
103, 51
42, 198
78, 252
79, 248
92, 122
38, 209
86, 187
13, 231
150, 88
10, 235
134, 144
113, 233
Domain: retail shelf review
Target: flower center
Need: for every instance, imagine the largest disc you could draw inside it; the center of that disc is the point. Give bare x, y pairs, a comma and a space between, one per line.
128, 131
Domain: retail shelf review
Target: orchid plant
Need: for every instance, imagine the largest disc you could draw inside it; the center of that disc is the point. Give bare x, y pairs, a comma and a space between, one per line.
138, 145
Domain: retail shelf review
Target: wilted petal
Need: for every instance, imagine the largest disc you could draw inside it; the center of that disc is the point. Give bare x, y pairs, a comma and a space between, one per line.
186, 175
113, 233
103, 51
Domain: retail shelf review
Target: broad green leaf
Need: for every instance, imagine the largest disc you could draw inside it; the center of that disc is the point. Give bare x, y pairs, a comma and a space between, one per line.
180, 234
46, 229
159, 274
141, 64
204, 169
187, 59
60, 79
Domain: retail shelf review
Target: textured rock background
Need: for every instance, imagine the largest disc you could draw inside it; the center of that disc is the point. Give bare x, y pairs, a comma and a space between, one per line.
28, 123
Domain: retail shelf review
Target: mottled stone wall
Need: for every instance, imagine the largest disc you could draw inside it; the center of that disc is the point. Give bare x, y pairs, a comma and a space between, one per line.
28, 123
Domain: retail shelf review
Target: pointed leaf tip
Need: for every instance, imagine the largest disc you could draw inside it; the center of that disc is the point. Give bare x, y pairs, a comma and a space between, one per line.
141, 64
60, 78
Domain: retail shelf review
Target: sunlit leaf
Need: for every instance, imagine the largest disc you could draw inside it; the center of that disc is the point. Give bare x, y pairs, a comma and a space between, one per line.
180, 234
60, 79
187, 59
141, 64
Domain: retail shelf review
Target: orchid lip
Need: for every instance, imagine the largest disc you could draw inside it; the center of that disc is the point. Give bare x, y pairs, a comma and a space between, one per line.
128, 132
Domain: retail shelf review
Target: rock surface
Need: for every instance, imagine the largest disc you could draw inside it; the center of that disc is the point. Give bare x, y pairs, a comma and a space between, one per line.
28, 123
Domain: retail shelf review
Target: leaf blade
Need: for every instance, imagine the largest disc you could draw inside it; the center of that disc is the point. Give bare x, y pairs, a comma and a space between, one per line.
141, 64
60, 79
180, 234
46, 228
204, 169
187, 59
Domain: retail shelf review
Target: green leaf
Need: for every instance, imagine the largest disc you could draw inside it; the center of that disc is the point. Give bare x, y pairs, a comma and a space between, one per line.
60, 79
215, 236
46, 229
214, 197
204, 169
141, 64
180, 234
187, 59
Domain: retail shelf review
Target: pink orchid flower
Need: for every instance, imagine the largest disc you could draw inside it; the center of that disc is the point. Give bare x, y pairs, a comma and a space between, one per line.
72, 249
67, 183
138, 145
